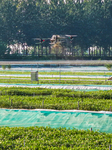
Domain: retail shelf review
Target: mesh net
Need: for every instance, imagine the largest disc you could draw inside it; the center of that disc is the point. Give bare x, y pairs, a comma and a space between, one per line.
80, 120
62, 86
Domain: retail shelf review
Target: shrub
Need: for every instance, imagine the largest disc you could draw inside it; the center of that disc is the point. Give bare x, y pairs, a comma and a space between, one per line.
108, 66
9, 66
3, 67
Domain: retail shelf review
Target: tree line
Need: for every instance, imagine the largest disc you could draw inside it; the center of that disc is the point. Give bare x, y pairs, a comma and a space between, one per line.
23, 20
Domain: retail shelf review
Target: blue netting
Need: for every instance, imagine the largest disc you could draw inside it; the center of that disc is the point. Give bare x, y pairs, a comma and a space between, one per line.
55, 119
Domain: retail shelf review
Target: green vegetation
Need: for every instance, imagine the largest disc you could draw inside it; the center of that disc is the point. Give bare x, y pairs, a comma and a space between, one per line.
20, 21
14, 77
3, 45
13, 72
54, 78
3, 67
60, 99
57, 81
55, 73
108, 66
9, 66
75, 73
46, 138
77, 78
6, 66
21, 26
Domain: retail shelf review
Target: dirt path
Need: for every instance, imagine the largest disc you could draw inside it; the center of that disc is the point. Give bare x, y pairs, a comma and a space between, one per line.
66, 62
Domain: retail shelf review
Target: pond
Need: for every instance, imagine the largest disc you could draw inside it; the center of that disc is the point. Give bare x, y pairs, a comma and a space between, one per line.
55, 67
